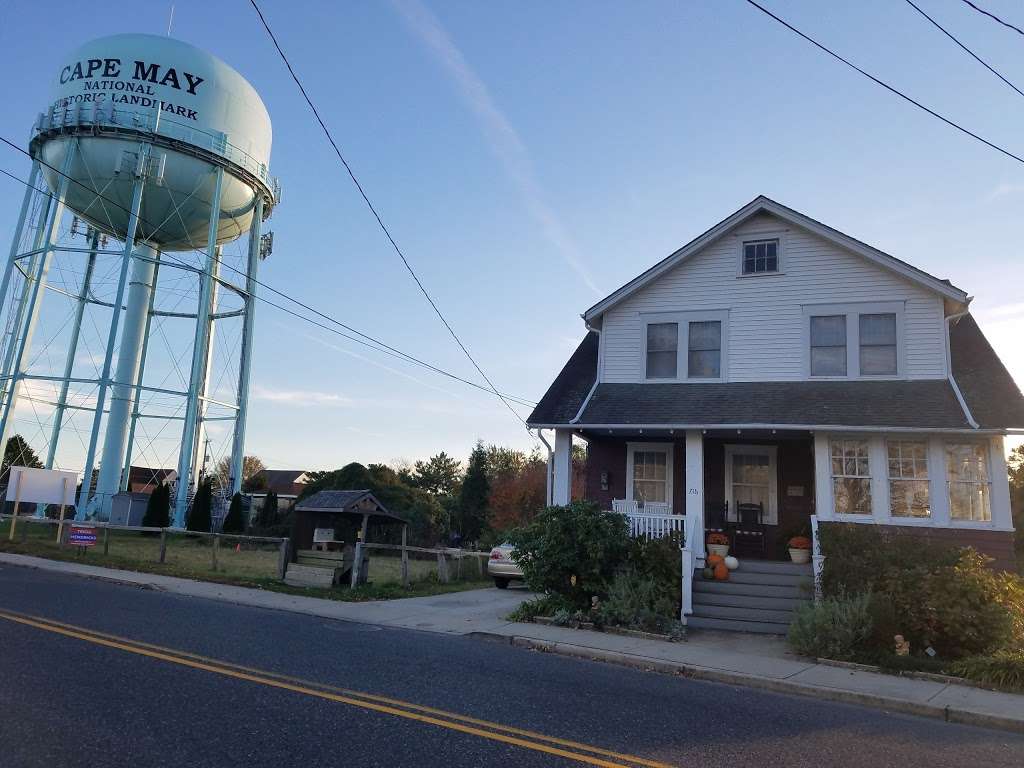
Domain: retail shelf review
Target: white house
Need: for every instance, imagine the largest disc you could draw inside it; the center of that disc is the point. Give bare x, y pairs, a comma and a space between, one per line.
775, 369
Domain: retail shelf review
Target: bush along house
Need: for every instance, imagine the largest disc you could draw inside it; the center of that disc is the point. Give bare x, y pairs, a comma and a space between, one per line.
775, 376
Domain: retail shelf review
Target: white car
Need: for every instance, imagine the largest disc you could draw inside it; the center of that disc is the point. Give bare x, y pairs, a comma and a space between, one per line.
502, 568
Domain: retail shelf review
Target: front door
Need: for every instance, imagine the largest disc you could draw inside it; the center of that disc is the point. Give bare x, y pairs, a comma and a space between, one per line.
751, 478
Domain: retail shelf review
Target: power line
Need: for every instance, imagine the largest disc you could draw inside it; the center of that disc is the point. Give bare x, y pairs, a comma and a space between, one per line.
373, 210
975, 56
885, 85
1018, 30
383, 347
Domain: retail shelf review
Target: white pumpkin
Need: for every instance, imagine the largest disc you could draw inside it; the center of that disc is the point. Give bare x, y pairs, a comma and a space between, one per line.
732, 563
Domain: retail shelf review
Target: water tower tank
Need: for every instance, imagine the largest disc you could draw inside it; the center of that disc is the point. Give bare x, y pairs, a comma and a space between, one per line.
199, 108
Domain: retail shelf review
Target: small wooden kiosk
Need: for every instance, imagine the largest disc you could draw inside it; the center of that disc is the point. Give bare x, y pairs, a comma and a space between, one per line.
316, 548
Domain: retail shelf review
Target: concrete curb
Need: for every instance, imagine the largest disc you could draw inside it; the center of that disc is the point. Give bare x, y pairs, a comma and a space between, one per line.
774, 685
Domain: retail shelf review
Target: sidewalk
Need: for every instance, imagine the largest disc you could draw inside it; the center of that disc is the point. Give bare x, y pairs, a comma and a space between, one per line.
754, 661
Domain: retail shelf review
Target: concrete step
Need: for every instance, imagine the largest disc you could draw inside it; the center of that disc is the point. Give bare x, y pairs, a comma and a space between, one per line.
731, 625
751, 565
309, 576
746, 601
704, 586
742, 576
743, 614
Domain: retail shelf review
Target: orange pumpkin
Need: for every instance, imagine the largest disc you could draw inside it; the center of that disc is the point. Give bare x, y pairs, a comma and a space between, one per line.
713, 560
721, 572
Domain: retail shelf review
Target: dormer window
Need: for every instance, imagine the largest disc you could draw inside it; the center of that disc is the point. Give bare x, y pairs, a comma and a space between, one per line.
684, 346
760, 256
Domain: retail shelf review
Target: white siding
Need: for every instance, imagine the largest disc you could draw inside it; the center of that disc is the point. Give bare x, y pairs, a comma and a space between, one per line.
766, 334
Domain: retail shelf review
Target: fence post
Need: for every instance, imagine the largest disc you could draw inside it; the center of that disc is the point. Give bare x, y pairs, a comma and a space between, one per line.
282, 559
405, 557
163, 544
216, 546
357, 564
442, 568
17, 503
480, 565
106, 540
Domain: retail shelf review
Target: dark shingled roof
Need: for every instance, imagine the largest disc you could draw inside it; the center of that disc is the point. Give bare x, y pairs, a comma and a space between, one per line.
993, 397
566, 394
990, 392
343, 502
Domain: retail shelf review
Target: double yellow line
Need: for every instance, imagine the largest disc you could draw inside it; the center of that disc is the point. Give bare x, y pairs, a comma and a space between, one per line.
520, 737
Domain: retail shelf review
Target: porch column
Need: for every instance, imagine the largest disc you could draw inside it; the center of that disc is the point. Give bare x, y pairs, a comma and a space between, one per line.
694, 489
1001, 517
822, 477
562, 486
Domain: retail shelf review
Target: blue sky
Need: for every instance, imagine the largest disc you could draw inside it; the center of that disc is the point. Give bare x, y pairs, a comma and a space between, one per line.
530, 157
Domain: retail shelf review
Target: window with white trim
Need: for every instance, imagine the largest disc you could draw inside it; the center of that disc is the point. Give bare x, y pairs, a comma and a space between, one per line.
704, 356
650, 470
909, 490
828, 345
968, 479
760, 256
662, 350
851, 476
878, 344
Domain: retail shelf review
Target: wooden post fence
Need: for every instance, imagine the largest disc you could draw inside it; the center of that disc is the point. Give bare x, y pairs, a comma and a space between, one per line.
17, 503
282, 559
405, 556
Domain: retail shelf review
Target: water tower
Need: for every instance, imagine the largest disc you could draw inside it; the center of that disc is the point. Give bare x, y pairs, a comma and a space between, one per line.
128, 297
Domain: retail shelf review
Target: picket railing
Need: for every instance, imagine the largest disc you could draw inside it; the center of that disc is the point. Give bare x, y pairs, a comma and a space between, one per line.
654, 526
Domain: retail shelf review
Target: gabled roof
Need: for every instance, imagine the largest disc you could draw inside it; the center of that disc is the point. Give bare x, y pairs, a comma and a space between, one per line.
762, 204
991, 395
347, 503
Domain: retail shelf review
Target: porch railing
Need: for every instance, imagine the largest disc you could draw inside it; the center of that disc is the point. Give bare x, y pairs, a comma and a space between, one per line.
817, 559
654, 526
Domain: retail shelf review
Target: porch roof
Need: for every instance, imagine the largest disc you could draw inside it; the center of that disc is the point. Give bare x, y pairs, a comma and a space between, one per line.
988, 389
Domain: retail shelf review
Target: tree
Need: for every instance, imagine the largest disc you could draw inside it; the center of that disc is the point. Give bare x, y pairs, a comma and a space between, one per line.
251, 466
438, 475
516, 496
234, 522
473, 495
158, 508
18, 453
269, 515
1015, 467
199, 519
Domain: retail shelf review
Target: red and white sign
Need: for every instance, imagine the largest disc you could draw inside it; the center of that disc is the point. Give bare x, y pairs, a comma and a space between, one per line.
82, 536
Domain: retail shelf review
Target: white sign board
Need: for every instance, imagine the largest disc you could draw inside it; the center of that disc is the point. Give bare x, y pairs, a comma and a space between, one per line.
323, 535
42, 486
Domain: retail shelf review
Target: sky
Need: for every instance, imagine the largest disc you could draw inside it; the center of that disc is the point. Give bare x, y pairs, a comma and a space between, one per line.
530, 157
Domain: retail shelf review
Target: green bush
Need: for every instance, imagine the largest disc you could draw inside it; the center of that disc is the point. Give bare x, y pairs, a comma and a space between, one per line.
1003, 670
933, 594
158, 508
636, 602
234, 521
572, 551
833, 628
546, 605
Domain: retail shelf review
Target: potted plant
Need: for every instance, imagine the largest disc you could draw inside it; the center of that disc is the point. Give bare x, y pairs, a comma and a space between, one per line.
800, 549
718, 543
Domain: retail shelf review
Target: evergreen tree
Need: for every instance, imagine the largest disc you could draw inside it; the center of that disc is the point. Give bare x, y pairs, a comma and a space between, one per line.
269, 516
473, 496
199, 518
235, 520
438, 475
158, 509
18, 453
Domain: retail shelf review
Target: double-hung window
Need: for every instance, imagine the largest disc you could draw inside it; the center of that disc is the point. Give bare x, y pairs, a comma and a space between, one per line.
968, 479
878, 344
908, 478
685, 345
662, 350
828, 345
851, 476
649, 472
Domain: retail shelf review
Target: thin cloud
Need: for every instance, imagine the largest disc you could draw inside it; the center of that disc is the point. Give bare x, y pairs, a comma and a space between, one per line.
1004, 189
299, 397
504, 140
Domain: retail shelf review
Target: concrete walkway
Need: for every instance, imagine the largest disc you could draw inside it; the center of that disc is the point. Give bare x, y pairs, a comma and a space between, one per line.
751, 660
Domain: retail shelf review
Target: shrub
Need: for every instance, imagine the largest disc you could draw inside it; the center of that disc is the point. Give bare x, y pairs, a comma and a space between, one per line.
199, 518
636, 602
234, 521
547, 605
158, 508
571, 551
832, 628
1003, 670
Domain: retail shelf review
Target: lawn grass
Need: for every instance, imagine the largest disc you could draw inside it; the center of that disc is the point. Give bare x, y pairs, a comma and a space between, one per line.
253, 564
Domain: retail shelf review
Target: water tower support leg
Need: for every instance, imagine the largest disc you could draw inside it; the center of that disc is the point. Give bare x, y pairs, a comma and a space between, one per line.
198, 357
126, 471
35, 297
69, 361
199, 449
245, 361
104, 383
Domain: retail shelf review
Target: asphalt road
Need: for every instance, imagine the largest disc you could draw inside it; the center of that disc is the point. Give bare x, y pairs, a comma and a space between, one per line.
234, 686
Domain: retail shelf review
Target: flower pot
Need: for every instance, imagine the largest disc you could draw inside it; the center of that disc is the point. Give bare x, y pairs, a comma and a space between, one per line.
718, 549
800, 556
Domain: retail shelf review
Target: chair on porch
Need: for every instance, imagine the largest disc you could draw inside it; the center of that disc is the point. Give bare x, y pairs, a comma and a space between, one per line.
716, 516
625, 507
750, 532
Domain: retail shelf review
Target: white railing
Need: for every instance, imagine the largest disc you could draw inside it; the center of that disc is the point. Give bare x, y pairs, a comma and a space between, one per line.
654, 526
817, 559
687, 554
